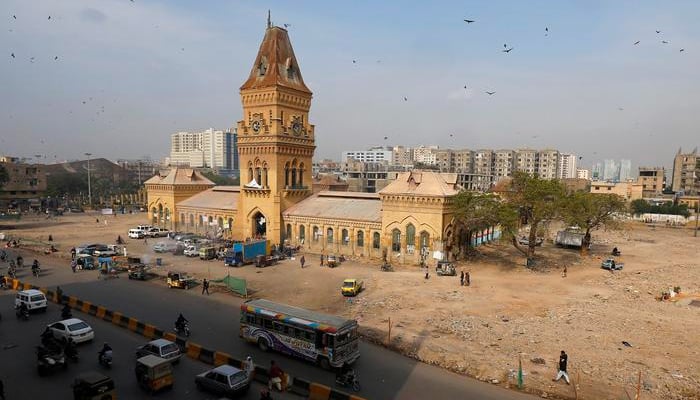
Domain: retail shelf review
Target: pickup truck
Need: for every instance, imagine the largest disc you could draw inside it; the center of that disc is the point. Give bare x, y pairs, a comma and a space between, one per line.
351, 287
611, 265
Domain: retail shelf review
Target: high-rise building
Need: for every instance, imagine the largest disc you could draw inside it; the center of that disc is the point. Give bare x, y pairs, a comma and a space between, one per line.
401, 155
444, 159
686, 172
597, 172
503, 163
425, 154
464, 161
483, 162
207, 149
567, 165
611, 171
583, 174
374, 154
625, 170
526, 160
548, 164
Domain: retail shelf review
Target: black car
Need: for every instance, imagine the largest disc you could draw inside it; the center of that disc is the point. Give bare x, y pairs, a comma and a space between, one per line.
224, 380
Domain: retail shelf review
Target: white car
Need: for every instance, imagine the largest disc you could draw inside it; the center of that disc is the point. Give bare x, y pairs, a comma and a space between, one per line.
73, 328
34, 299
191, 251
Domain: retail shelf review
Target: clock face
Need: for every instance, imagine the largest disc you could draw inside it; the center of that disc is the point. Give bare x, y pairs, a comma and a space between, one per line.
296, 127
256, 126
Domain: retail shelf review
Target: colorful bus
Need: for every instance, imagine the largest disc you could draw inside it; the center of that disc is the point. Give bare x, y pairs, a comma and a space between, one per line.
324, 339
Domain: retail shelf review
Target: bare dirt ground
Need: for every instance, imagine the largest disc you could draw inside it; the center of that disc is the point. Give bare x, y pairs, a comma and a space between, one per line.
507, 311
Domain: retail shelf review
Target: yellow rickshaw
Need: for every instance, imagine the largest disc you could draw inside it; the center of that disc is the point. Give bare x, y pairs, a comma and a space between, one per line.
154, 373
179, 280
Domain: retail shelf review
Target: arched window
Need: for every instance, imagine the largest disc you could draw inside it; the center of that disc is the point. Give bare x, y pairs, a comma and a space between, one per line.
258, 176
288, 234
315, 233
329, 235
210, 219
302, 233
286, 175
301, 174
360, 239
155, 215
191, 220
220, 223
345, 237
230, 223
264, 183
424, 239
250, 171
376, 240
182, 218
410, 235
396, 240
294, 173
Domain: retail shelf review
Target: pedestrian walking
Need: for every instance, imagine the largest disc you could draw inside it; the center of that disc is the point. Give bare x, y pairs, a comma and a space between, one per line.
205, 286
145, 240
73, 265
50, 238
322, 259
275, 373
427, 275
72, 253
249, 368
461, 278
302, 261
563, 358
97, 220
467, 278
563, 273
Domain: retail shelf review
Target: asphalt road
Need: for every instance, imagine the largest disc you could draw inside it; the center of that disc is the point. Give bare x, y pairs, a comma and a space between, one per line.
18, 340
383, 374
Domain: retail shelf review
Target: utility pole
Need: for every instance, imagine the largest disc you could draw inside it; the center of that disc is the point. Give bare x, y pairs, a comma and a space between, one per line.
697, 214
89, 186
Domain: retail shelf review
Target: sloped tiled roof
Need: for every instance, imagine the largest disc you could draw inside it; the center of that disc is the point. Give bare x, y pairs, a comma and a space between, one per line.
423, 183
219, 197
275, 64
181, 176
339, 205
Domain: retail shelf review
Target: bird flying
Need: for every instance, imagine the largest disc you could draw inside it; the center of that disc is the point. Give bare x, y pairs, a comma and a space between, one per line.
354, 61
14, 16
287, 25
658, 31
490, 93
664, 42
13, 55
681, 50
405, 99
636, 43
507, 50
469, 21
49, 17
386, 137
55, 58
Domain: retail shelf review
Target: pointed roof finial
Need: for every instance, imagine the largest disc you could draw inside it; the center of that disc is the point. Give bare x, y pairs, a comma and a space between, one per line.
269, 22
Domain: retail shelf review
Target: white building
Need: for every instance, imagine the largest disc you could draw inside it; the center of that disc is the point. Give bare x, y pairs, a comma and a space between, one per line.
425, 154
567, 166
210, 148
625, 170
375, 154
583, 174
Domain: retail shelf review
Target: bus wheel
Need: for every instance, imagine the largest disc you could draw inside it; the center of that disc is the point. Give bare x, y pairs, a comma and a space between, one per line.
324, 363
262, 343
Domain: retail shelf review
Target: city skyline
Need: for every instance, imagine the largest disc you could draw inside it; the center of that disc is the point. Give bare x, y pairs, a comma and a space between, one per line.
584, 87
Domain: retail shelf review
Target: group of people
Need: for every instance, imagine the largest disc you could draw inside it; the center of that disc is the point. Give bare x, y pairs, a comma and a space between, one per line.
465, 278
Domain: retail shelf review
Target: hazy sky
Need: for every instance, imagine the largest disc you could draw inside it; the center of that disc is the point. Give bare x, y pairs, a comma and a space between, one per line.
129, 74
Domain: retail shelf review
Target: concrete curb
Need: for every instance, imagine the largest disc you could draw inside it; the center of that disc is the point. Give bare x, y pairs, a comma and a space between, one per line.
299, 386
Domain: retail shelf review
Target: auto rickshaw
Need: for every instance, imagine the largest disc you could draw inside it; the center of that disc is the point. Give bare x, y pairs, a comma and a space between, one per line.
445, 268
179, 280
154, 373
93, 386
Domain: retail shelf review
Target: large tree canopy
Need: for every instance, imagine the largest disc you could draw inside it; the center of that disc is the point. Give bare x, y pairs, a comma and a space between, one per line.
591, 211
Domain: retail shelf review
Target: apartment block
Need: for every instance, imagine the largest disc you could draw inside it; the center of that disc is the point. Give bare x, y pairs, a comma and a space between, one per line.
526, 160
567, 166
483, 162
503, 163
464, 161
652, 180
211, 148
686, 172
373, 155
26, 183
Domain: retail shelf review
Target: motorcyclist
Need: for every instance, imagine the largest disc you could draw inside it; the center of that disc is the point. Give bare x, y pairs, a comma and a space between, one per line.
66, 312
19, 261
181, 321
70, 349
46, 334
35, 266
23, 308
344, 372
106, 350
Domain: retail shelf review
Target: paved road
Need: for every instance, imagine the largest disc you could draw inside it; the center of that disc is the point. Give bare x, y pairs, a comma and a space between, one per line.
18, 367
384, 374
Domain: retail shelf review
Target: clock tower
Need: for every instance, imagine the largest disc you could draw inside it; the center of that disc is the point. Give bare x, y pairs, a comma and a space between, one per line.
275, 139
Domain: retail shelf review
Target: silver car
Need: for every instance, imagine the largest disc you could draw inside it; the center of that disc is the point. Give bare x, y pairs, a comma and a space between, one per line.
161, 348
224, 380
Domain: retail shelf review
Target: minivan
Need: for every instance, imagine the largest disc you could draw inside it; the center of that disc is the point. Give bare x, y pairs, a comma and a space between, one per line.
34, 299
136, 233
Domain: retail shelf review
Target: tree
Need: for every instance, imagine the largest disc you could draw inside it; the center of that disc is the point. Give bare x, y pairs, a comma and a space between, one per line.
475, 211
592, 211
4, 176
532, 200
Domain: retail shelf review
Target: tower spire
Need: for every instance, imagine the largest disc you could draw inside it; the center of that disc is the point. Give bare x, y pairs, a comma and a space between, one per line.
269, 22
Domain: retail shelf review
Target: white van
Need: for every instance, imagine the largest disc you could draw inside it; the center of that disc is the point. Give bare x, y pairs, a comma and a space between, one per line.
144, 228
136, 233
34, 299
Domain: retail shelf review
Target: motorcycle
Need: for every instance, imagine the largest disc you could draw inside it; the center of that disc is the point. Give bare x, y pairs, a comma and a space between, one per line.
71, 352
183, 329
48, 361
66, 313
349, 380
22, 313
105, 359
36, 271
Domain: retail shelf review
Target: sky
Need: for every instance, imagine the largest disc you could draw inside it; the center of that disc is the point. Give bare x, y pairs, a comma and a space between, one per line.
129, 74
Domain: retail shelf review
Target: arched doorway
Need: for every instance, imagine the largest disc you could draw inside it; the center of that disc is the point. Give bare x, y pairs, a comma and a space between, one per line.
259, 225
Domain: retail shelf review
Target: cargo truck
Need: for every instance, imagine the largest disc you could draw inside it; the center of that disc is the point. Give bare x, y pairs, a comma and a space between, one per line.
246, 252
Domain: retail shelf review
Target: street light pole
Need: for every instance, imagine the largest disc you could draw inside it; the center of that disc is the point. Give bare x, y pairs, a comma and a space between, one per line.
89, 186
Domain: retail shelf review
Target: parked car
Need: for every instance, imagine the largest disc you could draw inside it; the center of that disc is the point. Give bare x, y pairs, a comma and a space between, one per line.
224, 380
162, 348
156, 232
162, 247
191, 251
136, 234
111, 251
90, 249
351, 287
72, 328
525, 241
183, 235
